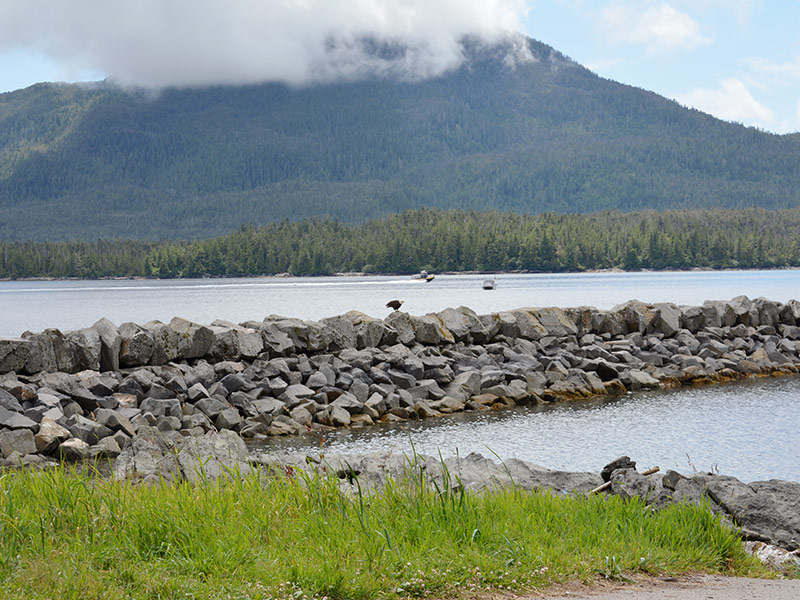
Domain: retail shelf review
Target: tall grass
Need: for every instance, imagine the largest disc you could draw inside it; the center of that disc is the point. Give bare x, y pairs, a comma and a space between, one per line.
65, 534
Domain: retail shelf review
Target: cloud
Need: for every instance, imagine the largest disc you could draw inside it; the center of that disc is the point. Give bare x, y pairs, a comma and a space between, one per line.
776, 71
197, 42
659, 28
731, 101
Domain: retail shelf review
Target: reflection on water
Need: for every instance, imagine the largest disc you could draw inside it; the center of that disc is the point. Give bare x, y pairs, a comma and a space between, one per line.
749, 429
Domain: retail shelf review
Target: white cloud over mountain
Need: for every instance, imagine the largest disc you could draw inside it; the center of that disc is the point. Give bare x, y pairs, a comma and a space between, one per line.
731, 101
657, 27
198, 42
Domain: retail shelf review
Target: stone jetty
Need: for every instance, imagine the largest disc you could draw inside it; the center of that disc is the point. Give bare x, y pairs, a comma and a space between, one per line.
91, 392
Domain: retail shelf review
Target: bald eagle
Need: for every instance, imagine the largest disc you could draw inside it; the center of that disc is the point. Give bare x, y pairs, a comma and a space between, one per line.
394, 304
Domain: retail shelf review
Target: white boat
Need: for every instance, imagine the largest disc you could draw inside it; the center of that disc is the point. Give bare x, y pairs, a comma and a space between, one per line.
489, 284
423, 276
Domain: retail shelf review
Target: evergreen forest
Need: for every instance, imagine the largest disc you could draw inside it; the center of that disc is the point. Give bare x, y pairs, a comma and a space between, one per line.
437, 241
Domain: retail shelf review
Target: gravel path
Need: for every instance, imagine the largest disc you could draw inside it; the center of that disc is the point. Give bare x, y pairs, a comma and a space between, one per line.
696, 587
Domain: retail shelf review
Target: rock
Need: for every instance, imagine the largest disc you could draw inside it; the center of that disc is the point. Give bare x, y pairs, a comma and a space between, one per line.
85, 347
211, 407
73, 450
18, 441
249, 341
149, 460
14, 354
9, 401
275, 341
522, 323
463, 324
370, 332
623, 462
42, 353
283, 425
114, 420
555, 321
161, 408
50, 436
340, 331
401, 324
430, 330
746, 313
317, 381
229, 418
641, 380
669, 319
349, 403
108, 447
763, 516
15, 420
212, 456
628, 484
136, 345
339, 416
225, 345
110, 344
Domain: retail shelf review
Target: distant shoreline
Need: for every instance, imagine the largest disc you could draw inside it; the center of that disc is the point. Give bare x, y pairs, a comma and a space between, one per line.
359, 274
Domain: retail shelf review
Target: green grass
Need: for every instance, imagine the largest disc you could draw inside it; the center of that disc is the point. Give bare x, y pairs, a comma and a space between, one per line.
67, 535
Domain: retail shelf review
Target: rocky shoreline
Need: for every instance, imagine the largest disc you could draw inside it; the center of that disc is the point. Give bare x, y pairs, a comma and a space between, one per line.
766, 513
88, 393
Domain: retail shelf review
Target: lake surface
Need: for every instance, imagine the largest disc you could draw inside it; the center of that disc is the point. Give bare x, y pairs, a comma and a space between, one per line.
749, 430
36, 305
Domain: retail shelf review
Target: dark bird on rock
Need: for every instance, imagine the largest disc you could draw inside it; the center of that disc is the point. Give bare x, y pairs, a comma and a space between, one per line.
395, 304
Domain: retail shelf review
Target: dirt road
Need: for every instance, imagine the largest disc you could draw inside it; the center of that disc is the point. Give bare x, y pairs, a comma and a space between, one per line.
695, 587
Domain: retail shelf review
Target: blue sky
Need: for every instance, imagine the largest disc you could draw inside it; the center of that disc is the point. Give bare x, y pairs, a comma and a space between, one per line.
736, 59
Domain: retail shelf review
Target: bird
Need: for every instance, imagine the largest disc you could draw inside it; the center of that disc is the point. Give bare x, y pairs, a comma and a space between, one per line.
395, 304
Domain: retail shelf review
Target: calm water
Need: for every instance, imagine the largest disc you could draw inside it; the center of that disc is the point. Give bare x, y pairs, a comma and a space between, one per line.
34, 306
748, 430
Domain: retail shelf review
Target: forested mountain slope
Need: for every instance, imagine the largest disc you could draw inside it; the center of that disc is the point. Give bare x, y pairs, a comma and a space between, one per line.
547, 135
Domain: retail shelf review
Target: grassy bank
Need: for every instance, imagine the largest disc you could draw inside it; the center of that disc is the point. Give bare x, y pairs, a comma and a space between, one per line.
67, 535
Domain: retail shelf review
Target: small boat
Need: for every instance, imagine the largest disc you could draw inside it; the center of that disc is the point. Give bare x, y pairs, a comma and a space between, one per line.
423, 276
489, 284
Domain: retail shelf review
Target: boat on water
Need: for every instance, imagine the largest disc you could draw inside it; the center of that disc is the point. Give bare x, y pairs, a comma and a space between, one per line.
424, 276
489, 284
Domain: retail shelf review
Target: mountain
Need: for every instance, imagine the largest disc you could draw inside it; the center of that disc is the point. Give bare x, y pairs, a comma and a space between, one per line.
82, 162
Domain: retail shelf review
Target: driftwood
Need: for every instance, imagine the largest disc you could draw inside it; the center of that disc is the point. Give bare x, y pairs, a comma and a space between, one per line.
607, 484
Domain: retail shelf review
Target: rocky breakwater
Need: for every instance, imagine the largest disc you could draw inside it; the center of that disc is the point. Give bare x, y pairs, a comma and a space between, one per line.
90, 392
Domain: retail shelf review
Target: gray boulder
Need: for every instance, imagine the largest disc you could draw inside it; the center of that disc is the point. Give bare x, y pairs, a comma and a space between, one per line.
18, 441
86, 347
42, 353
194, 340
50, 436
555, 321
14, 354
110, 344
769, 514
403, 327
147, 459
14, 420
136, 345
463, 323
340, 331
370, 332
73, 450
212, 456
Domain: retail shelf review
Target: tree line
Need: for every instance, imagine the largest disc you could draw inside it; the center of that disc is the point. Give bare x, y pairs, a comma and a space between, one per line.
437, 240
